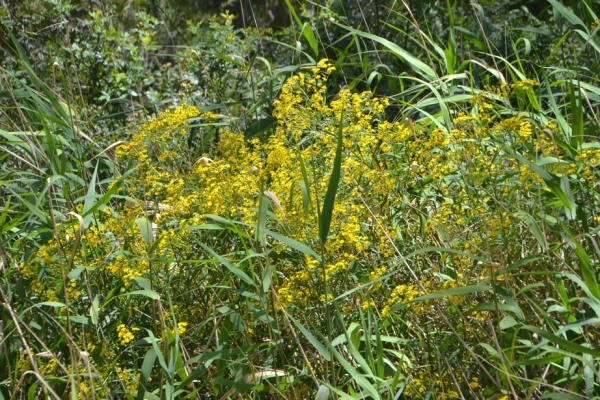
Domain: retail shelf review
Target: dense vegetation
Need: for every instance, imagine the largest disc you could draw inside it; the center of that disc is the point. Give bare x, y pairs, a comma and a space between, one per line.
307, 201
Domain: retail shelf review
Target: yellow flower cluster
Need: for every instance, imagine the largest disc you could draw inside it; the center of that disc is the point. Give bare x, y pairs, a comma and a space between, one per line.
125, 335
401, 186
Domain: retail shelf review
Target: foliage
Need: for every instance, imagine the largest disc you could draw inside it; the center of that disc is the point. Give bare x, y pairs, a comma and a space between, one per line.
121, 64
275, 232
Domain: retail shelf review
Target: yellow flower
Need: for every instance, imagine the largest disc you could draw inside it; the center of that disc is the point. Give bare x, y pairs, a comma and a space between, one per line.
125, 335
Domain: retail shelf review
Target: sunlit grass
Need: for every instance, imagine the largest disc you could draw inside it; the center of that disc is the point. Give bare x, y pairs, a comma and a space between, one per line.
336, 248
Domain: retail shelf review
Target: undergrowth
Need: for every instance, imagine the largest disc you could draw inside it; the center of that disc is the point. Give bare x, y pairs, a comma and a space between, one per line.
439, 242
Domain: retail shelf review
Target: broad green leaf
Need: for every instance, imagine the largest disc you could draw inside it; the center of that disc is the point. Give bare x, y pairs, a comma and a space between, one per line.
569, 15
566, 344
146, 372
553, 184
107, 196
446, 250
158, 354
446, 293
78, 319
533, 226
233, 269
148, 293
294, 244
587, 270
329, 203
143, 282
95, 310
76, 272
313, 341
305, 196
145, 226
90, 199
259, 127
308, 33
322, 393
52, 304
305, 187
507, 322
420, 67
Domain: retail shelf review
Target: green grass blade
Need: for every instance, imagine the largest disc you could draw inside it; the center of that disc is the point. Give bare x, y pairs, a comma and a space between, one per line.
566, 344
145, 372
235, 270
334, 180
145, 226
446, 293
533, 226
419, 66
587, 270
294, 244
106, 196
312, 340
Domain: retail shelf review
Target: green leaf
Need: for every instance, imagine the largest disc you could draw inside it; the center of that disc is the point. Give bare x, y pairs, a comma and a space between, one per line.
446, 250
143, 283
146, 372
158, 354
334, 180
563, 396
313, 341
523, 261
148, 293
508, 322
576, 116
221, 354
360, 379
52, 304
569, 15
494, 306
235, 270
294, 244
305, 187
90, 199
420, 67
552, 182
453, 292
240, 385
588, 375
31, 393
107, 196
308, 33
78, 319
587, 270
322, 393
259, 127
446, 293
533, 226
213, 227
76, 272
95, 310
570, 212
566, 344
540, 361
145, 226
305, 196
